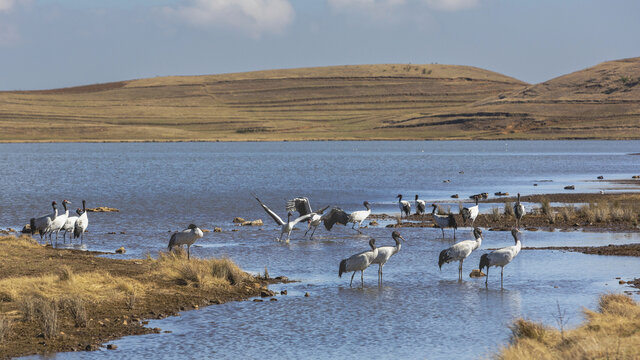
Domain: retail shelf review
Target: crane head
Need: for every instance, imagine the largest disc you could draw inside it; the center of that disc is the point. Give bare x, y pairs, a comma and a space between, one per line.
396, 235
192, 226
399, 196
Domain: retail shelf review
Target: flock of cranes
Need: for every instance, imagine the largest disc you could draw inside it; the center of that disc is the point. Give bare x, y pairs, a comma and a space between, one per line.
380, 255
56, 222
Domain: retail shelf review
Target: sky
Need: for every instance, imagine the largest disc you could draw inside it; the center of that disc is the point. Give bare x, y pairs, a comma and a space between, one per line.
48, 44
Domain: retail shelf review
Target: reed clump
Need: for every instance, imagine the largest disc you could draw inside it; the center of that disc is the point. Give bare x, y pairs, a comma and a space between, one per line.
5, 328
613, 332
43, 311
199, 273
75, 306
508, 209
495, 214
611, 212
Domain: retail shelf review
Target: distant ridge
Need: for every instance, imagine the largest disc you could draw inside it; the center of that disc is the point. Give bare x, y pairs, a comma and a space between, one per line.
359, 102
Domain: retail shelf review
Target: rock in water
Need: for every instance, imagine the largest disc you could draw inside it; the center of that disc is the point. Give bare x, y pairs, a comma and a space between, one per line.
238, 220
121, 250
475, 273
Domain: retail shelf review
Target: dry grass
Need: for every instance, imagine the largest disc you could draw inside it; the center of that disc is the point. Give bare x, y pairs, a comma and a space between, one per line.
495, 214
508, 209
611, 333
615, 211
5, 328
43, 311
76, 308
201, 273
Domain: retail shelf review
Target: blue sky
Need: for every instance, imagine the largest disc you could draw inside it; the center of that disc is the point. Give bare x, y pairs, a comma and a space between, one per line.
58, 43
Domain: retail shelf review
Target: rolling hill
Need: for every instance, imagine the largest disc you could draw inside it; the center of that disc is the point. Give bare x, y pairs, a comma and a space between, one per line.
340, 102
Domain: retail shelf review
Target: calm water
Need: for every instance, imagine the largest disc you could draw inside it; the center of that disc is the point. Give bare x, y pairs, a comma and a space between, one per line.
420, 312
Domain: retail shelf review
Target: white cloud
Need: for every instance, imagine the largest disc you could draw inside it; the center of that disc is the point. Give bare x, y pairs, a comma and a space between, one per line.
452, 5
6, 5
376, 8
251, 16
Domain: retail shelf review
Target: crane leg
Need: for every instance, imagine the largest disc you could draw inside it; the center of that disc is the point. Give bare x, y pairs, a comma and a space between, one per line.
442, 233
352, 275
454, 233
501, 275
460, 270
188, 252
486, 281
380, 274
362, 278
313, 232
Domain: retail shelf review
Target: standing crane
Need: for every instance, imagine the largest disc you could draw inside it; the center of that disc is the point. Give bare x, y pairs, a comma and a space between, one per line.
69, 225
58, 222
470, 213
185, 237
501, 257
420, 206
518, 210
444, 221
41, 223
460, 251
285, 227
359, 262
81, 224
385, 252
404, 205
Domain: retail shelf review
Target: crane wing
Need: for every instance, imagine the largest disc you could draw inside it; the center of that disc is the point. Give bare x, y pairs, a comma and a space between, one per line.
301, 218
299, 204
336, 215
271, 213
321, 210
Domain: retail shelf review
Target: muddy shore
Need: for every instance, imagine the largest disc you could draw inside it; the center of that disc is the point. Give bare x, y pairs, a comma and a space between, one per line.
136, 290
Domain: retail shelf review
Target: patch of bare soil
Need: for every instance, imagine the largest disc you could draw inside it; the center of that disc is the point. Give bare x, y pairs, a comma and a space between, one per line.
616, 250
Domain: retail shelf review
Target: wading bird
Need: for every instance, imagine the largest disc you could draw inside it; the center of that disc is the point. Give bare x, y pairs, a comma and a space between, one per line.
444, 221
335, 216
285, 227
303, 207
404, 205
470, 213
358, 262
501, 257
385, 252
185, 237
81, 224
460, 251
40, 224
58, 222
69, 225
518, 210
360, 215
420, 206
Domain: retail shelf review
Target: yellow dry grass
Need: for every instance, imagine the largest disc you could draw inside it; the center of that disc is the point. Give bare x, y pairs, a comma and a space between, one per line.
201, 273
613, 332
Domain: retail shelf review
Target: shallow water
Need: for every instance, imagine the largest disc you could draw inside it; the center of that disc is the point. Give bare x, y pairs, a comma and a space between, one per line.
420, 312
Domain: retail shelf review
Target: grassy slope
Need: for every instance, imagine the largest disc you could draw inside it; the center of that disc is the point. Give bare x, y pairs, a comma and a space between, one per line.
339, 102
343, 102
602, 101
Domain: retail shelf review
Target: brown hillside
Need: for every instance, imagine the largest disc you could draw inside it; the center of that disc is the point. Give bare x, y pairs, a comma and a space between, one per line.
341, 102
598, 102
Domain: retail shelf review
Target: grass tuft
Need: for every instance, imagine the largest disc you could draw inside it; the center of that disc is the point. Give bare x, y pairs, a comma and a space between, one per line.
205, 273
5, 328
75, 306
508, 209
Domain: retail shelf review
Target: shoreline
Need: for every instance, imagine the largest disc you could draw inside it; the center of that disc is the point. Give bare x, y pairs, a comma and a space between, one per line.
93, 300
142, 141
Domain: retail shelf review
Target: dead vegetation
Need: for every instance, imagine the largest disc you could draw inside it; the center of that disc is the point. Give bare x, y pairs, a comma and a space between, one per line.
70, 297
613, 332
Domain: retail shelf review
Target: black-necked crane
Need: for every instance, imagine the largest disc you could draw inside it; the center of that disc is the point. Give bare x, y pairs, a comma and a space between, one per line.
285, 227
69, 225
444, 221
335, 216
385, 252
404, 205
518, 210
185, 237
358, 262
81, 224
501, 257
470, 213
303, 207
460, 251
40, 224
420, 206
58, 222
360, 215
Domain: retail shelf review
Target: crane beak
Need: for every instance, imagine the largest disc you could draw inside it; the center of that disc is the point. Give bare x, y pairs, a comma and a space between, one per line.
403, 239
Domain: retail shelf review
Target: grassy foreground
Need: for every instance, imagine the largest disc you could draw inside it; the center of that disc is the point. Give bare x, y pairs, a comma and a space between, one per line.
67, 300
613, 332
